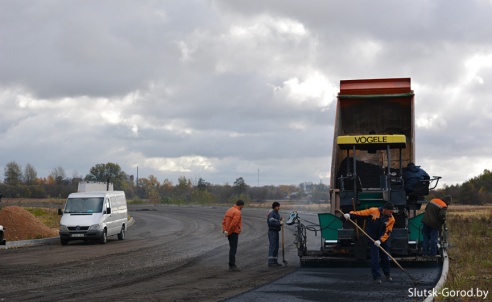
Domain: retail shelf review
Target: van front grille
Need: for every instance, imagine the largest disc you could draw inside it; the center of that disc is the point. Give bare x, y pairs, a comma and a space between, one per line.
78, 228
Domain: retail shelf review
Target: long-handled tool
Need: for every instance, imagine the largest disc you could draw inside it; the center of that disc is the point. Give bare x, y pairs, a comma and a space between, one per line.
283, 248
382, 249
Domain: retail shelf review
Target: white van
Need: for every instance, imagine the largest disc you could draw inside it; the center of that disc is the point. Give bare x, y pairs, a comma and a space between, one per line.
94, 216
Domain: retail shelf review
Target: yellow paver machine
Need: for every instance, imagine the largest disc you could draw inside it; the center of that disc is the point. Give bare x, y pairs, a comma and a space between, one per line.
374, 141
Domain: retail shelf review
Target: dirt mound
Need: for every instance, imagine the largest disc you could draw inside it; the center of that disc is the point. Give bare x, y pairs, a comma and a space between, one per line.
22, 225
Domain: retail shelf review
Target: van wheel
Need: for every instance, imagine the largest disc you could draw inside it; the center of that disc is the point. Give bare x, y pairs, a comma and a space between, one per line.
104, 238
63, 241
121, 235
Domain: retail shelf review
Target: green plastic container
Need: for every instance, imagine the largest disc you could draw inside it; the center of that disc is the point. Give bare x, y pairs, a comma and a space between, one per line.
415, 228
329, 225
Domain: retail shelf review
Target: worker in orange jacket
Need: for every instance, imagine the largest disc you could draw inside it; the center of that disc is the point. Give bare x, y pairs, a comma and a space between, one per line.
231, 227
434, 218
380, 223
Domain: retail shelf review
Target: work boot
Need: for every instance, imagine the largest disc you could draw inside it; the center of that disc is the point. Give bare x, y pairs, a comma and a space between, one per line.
234, 269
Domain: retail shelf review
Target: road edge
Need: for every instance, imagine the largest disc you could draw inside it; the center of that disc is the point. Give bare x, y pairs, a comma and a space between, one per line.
43, 241
444, 275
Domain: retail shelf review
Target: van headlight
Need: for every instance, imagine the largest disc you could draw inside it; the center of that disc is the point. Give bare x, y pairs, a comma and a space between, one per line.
94, 227
63, 228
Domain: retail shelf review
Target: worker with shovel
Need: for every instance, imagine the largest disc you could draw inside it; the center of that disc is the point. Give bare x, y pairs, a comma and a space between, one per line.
379, 227
275, 224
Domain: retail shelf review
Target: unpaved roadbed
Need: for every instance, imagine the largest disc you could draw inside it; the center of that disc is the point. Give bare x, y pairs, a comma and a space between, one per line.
170, 254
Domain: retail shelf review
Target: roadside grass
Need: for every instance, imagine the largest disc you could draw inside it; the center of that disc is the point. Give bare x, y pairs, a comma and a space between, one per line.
289, 206
47, 216
470, 246
58, 201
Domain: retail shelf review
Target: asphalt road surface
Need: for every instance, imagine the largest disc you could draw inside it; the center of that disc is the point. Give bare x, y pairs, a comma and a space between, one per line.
174, 253
339, 281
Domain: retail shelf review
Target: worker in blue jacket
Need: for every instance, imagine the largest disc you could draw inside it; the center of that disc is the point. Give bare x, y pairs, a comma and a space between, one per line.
380, 223
412, 175
275, 223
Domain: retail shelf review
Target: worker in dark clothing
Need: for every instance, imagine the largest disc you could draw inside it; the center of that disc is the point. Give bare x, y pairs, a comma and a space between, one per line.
434, 218
412, 175
231, 228
380, 223
275, 224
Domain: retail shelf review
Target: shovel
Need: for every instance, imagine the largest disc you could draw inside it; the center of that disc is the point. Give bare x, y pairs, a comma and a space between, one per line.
283, 248
415, 281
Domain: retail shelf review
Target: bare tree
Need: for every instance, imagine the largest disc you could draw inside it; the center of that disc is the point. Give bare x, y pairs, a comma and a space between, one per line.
30, 174
58, 174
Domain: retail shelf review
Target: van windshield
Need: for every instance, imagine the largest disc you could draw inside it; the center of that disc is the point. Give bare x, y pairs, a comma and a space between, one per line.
84, 205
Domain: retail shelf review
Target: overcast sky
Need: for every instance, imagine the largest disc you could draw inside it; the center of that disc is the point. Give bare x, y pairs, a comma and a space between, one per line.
226, 89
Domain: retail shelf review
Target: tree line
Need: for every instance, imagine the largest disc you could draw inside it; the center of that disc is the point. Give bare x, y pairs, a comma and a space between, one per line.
24, 183
476, 191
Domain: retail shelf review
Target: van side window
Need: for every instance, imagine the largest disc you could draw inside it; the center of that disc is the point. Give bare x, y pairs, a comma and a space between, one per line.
107, 205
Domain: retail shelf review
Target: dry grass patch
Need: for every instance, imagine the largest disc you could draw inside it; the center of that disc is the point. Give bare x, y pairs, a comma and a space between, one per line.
289, 206
27, 201
470, 257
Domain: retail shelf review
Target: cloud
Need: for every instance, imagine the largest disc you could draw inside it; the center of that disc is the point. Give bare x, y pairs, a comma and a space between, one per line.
227, 89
